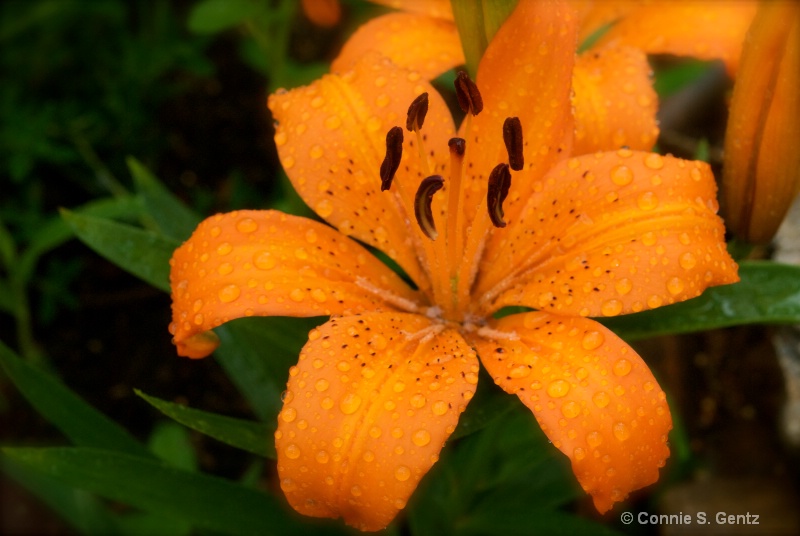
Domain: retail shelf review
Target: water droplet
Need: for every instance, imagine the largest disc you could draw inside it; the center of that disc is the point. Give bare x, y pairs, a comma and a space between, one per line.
389, 405
381, 81
558, 388
368, 456
375, 432
439, 407
297, 295
623, 286
322, 456
611, 307
229, 293
316, 152
601, 399
675, 286
621, 431
292, 451
695, 174
579, 453
649, 238
571, 409
326, 403
350, 403
264, 260
520, 371
399, 387
333, 122
225, 268
317, 102
355, 491
581, 373
224, 248
319, 295
374, 124
654, 301
687, 261
471, 378
324, 208
647, 201
594, 439
592, 340
382, 100
322, 385
624, 153
654, 161
417, 401
402, 473
397, 433
289, 414
648, 386
421, 438
622, 367
246, 226
280, 139
287, 484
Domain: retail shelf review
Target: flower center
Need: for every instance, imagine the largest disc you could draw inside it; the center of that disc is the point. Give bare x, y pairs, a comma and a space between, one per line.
452, 260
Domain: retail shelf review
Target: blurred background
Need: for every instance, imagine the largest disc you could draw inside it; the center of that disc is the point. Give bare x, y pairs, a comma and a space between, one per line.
86, 84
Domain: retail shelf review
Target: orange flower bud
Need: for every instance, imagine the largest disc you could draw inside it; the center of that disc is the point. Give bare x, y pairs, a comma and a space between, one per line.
325, 13
762, 144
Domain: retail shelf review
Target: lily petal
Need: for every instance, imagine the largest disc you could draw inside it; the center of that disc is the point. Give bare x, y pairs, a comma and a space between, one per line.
702, 29
331, 140
611, 233
428, 45
526, 72
615, 103
592, 394
267, 263
367, 409
439, 9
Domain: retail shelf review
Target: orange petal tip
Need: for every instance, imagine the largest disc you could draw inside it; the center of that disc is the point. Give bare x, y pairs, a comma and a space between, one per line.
198, 345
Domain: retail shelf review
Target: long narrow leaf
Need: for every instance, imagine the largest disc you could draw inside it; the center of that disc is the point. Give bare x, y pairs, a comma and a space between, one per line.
207, 502
79, 421
246, 435
144, 254
769, 293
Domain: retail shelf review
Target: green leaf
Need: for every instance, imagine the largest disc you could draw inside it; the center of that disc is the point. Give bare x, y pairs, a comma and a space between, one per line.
246, 435
211, 16
477, 22
80, 509
80, 422
208, 502
142, 253
56, 231
489, 403
509, 519
173, 218
256, 354
768, 293
171, 443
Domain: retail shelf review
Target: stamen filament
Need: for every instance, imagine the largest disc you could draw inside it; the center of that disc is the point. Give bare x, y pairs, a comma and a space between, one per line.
454, 235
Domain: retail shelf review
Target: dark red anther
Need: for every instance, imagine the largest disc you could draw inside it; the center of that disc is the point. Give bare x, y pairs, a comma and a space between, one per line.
394, 152
469, 98
457, 146
422, 204
417, 112
499, 183
512, 136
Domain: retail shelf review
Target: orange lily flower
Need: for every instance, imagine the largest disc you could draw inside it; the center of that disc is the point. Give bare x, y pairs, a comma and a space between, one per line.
379, 388
762, 163
324, 13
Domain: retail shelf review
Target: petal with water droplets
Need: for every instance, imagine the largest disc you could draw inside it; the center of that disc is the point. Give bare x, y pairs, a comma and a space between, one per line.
592, 394
615, 104
369, 406
611, 233
267, 263
331, 138
699, 29
427, 45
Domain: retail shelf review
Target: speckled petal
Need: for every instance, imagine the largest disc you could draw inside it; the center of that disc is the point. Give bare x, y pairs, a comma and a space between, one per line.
592, 394
439, 9
526, 72
611, 233
615, 104
331, 138
267, 263
367, 410
702, 29
427, 45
